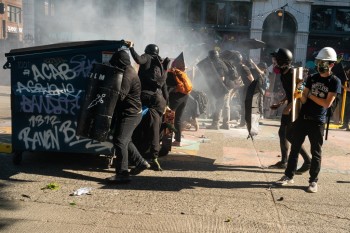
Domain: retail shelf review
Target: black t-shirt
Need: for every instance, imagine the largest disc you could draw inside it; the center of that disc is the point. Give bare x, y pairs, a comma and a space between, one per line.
287, 84
320, 87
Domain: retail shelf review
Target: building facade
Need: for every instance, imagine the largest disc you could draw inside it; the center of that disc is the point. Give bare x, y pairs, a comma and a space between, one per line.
303, 26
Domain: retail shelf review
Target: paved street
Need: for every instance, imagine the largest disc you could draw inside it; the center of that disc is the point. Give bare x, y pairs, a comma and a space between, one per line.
216, 182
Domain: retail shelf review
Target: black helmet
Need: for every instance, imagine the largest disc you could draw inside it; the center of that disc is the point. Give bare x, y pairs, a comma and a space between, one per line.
236, 57
152, 49
213, 54
283, 56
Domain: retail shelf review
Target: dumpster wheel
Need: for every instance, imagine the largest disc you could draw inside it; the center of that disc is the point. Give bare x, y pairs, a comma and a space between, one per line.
17, 157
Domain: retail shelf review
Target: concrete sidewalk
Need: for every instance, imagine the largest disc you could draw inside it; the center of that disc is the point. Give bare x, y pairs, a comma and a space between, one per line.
216, 182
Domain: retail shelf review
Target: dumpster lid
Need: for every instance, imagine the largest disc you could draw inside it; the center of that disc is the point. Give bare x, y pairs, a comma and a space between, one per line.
61, 46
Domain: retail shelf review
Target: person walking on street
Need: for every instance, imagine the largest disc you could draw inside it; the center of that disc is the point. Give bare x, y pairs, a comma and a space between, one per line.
283, 58
320, 90
129, 116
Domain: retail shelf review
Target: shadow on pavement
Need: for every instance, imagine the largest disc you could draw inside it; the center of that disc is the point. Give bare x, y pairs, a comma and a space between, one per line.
174, 184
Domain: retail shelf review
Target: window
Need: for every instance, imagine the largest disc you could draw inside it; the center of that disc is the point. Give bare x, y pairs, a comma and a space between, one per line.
321, 18
215, 13
194, 12
49, 8
342, 20
14, 14
239, 14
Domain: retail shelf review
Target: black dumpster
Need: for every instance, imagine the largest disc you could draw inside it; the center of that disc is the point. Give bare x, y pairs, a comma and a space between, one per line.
47, 88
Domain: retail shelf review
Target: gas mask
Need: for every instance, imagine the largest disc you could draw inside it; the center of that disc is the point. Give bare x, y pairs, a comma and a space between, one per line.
322, 66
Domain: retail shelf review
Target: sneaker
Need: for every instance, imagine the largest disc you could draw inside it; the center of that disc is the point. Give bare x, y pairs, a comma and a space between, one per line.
155, 165
304, 168
285, 180
344, 126
138, 169
278, 165
312, 187
225, 126
176, 143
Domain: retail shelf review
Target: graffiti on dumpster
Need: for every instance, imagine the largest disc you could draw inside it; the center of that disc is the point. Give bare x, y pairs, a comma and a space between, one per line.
82, 65
50, 138
50, 88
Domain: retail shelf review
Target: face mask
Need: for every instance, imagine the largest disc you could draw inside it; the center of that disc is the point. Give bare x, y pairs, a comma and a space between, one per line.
276, 70
322, 66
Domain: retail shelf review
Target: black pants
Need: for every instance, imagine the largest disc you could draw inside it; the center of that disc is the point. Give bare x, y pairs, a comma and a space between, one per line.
177, 103
285, 133
243, 95
315, 131
125, 149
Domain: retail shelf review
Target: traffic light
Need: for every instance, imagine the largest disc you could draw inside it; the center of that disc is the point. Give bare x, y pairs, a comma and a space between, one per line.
2, 8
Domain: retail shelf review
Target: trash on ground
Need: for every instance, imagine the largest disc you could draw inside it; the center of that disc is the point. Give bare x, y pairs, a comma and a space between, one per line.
72, 203
51, 186
280, 199
228, 220
81, 191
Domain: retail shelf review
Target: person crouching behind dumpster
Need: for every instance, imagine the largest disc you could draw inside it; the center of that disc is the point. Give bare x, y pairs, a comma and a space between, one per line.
128, 112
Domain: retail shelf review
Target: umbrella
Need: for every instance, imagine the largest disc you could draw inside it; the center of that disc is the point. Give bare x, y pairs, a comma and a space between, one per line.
251, 43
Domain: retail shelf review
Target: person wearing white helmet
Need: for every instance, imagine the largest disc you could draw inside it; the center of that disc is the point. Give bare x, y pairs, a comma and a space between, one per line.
319, 92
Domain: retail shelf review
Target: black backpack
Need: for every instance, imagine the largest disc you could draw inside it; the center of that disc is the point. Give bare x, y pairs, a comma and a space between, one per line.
155, 74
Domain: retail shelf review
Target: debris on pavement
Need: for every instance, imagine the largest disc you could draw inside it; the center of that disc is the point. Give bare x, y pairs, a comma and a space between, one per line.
82, 191
280, 199
51, 186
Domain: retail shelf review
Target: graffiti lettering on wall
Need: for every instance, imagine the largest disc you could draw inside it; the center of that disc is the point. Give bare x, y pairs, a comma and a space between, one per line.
49, 132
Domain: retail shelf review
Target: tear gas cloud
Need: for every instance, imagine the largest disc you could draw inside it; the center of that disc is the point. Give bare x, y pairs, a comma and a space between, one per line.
127, 19
117, 20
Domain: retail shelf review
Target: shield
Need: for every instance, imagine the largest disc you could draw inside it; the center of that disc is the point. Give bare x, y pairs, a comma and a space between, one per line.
100, 100
251, 43
212, 79
296, 104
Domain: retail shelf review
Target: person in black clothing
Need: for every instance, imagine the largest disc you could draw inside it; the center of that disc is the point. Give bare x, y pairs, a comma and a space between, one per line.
154, 95
320, 91
222, 104
247, 79
177, 103
283, 63
128, 112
